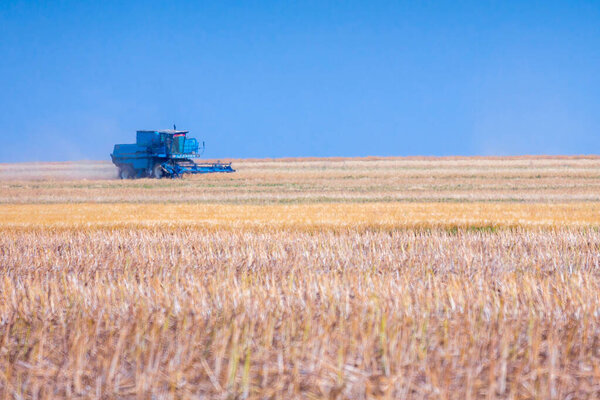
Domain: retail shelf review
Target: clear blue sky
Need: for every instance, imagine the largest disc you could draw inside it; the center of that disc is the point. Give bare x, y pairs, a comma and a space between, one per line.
306, 78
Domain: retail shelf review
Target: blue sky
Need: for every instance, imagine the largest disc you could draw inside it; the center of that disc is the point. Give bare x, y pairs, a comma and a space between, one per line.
309, 78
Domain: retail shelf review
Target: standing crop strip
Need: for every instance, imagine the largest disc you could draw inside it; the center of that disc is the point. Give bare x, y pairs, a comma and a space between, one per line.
311, 216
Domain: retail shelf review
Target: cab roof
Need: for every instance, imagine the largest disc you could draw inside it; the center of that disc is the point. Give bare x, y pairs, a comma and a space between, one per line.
168, 131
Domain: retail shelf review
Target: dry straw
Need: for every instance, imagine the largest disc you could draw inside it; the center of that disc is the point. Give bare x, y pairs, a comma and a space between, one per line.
192, 313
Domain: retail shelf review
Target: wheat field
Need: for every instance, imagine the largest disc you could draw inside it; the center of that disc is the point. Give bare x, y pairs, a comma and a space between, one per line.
458, 278
309, 181
303, 216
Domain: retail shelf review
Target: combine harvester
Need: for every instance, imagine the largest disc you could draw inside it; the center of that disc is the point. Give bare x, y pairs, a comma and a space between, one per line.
158, 154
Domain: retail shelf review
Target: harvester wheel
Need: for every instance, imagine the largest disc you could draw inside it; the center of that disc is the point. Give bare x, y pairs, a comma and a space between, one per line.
126, 172
157, 171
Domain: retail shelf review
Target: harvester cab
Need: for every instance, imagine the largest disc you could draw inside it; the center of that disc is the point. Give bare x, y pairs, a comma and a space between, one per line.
167, 153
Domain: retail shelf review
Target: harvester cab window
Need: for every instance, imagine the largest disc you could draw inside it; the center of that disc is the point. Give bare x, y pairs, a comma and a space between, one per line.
167, 139
178, 142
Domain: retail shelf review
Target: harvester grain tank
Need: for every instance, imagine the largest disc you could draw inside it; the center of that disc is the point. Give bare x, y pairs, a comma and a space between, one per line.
168, 153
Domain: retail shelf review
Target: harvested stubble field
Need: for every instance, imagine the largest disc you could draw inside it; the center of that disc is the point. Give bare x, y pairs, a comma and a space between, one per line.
112, 291
517, 179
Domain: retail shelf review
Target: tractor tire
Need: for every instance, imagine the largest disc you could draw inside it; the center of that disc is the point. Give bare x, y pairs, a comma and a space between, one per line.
126, 172
157, 171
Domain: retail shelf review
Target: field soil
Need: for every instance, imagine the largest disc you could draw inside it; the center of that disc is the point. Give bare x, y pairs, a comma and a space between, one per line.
421, 278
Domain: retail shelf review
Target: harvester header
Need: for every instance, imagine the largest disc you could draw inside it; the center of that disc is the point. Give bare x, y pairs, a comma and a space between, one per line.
167, 153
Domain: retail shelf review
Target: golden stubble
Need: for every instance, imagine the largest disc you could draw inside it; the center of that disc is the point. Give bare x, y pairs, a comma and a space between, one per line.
525, 179
324, 286
187, 312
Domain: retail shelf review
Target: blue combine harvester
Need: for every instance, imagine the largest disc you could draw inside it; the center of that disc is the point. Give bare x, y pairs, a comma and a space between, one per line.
156, 154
